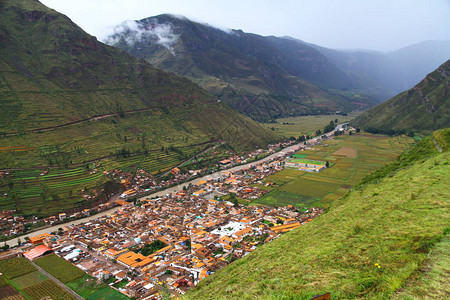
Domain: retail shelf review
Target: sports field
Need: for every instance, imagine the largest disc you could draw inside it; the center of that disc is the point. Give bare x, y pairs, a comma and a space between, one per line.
351, 157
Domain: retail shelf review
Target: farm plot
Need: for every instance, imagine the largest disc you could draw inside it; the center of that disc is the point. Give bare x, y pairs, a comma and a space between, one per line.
309, 187
29, 279
16, 267
277, 197
61, 269
47, 288
88, 288
351, 157
9, 293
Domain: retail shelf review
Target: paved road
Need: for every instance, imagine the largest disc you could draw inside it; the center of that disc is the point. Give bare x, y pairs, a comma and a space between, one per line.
179, 187
57, 281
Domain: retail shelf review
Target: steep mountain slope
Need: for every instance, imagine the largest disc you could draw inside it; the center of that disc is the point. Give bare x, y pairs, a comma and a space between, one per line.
387, 74
53, 73
256, 75
424, 107
67, 101
371, 243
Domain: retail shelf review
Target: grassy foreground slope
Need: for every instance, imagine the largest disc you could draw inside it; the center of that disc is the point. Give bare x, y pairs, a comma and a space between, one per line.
370, 244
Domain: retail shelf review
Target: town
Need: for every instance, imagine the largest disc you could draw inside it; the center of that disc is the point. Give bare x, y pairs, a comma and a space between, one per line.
167, 244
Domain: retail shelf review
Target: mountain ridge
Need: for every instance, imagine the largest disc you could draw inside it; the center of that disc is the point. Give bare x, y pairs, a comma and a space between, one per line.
238, 67
425, 107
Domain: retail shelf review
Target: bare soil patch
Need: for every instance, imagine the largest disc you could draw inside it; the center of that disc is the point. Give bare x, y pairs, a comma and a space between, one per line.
346, 151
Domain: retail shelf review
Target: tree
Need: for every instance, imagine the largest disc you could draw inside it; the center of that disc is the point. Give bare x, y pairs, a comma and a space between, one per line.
327, 164
358, 129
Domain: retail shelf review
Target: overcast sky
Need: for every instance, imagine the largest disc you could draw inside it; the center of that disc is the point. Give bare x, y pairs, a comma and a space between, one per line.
383, 25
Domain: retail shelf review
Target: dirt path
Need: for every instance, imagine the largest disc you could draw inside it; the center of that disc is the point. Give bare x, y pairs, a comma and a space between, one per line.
93, 118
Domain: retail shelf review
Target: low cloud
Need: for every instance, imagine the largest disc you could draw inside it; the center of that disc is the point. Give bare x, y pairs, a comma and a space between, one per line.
133, 31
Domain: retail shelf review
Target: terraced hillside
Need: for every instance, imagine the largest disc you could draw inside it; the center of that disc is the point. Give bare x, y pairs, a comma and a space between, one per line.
69, 102
381, 241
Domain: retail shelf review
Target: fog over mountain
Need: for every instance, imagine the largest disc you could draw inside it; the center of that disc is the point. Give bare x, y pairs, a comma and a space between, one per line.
269, 77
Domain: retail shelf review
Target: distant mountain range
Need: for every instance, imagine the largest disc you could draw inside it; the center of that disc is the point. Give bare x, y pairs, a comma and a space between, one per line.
425, 107
269, 77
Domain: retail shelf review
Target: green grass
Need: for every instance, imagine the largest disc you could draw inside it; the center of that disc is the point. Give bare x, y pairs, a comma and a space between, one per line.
16, 267
306, 189
87, 287
431, 281
58, 267
29, 279
392, 224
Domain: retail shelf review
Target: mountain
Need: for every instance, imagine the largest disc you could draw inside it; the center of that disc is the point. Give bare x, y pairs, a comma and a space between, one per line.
388, 73
425, 107
53, 73
263, 77
69, 102
388, 239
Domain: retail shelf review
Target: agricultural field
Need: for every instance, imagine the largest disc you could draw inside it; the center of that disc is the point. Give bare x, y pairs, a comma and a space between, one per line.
32, 192
61, 269
304, 125
15, 267
88, 288
47, 288
21, 280
77, 280
351, 157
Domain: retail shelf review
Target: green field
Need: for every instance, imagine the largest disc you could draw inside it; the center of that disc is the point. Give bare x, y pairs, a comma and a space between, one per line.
351, 158
296, 126
88, 288
388, 239
29, 279
306, 161
60, 268
26, 279
16, 267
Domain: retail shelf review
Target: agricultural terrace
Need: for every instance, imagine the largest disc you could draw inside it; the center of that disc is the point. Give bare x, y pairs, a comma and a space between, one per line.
295, 126
351, 157
21, 280
154, 142
35, 192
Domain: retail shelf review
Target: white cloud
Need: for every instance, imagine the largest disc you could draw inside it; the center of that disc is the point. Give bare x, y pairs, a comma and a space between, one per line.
135, 31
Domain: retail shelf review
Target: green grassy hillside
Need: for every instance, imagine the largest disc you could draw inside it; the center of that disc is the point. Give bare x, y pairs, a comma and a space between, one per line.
426, 107
374, 243
72, 104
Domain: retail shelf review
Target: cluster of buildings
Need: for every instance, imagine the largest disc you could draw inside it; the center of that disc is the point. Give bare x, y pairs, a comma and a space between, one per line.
134, 185
190, 233
196, 237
